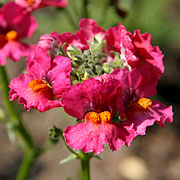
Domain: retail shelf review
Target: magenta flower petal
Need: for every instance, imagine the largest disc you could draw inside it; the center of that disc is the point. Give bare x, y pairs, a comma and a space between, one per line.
15, 50
15, 25
89, 96
37, 4
40, 63
59, 75
20, 88
90, 137
88, 30
158, 112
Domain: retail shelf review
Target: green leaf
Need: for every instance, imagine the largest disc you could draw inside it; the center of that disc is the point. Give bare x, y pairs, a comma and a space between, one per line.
70, 158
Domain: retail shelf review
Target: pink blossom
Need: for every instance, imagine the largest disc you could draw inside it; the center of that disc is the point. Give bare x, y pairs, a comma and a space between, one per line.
31, 5
44, 84
135, 50
49, 42
93, 102
138, 108
88, 30
14, 26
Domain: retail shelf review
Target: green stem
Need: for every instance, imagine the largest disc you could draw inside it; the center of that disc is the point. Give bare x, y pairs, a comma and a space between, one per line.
85, 167
26, 164
14, 115
31, 151
71, 150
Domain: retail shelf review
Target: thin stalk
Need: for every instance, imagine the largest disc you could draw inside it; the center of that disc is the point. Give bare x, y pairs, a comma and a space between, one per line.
26, 164
31, 151
85, 168
71, 150
14, 115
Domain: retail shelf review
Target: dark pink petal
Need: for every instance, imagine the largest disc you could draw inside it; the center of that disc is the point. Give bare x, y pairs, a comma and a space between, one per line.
118, 40
90, 137
17, 20
26, 26
40, 64
49, 43
135, 84
148, 55
88, 30
91, 95
69, 39
57, 3
142, 119
15, 50
20, 89
59, 75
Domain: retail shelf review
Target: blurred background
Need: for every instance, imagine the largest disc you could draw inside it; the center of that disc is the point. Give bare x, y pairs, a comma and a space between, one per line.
155, 156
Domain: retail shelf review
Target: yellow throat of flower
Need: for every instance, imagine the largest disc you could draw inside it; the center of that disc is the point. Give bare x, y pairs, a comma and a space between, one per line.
41, 87
11, 35
103, 117
30, 2
142, 104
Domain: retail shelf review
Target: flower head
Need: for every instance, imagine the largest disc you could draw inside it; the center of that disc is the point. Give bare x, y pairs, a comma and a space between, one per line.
138, 108
14, 26
44, 84
93, 102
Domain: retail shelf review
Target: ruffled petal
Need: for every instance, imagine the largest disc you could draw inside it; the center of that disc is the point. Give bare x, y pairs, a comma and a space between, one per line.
20, 89
39, 63
90, 137
59, 75
91, 95
142, 119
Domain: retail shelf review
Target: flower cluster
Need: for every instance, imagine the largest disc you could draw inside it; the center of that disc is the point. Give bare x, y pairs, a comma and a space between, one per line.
17, 23
102, 78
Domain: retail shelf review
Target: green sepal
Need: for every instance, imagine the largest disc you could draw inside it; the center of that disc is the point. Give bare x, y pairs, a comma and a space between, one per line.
69, 158
97, 156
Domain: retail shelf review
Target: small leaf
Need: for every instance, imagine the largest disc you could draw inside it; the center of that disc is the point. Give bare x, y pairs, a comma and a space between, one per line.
68, 159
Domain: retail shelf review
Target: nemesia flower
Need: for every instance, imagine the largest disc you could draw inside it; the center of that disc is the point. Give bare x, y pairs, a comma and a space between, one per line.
14, 26
138, 108
135, 50
93, 102
31, 5
44, 84
88, 30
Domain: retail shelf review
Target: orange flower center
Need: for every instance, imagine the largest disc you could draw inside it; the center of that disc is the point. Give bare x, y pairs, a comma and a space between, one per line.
11, 35
142, 104
41, 87
103, 117
30, 2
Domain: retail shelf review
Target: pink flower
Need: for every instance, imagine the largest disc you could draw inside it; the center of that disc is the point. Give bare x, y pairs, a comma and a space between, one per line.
44, 84
31, 5
14, 26
49, 42
88, 30
138, 108
93, 102
135, 50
